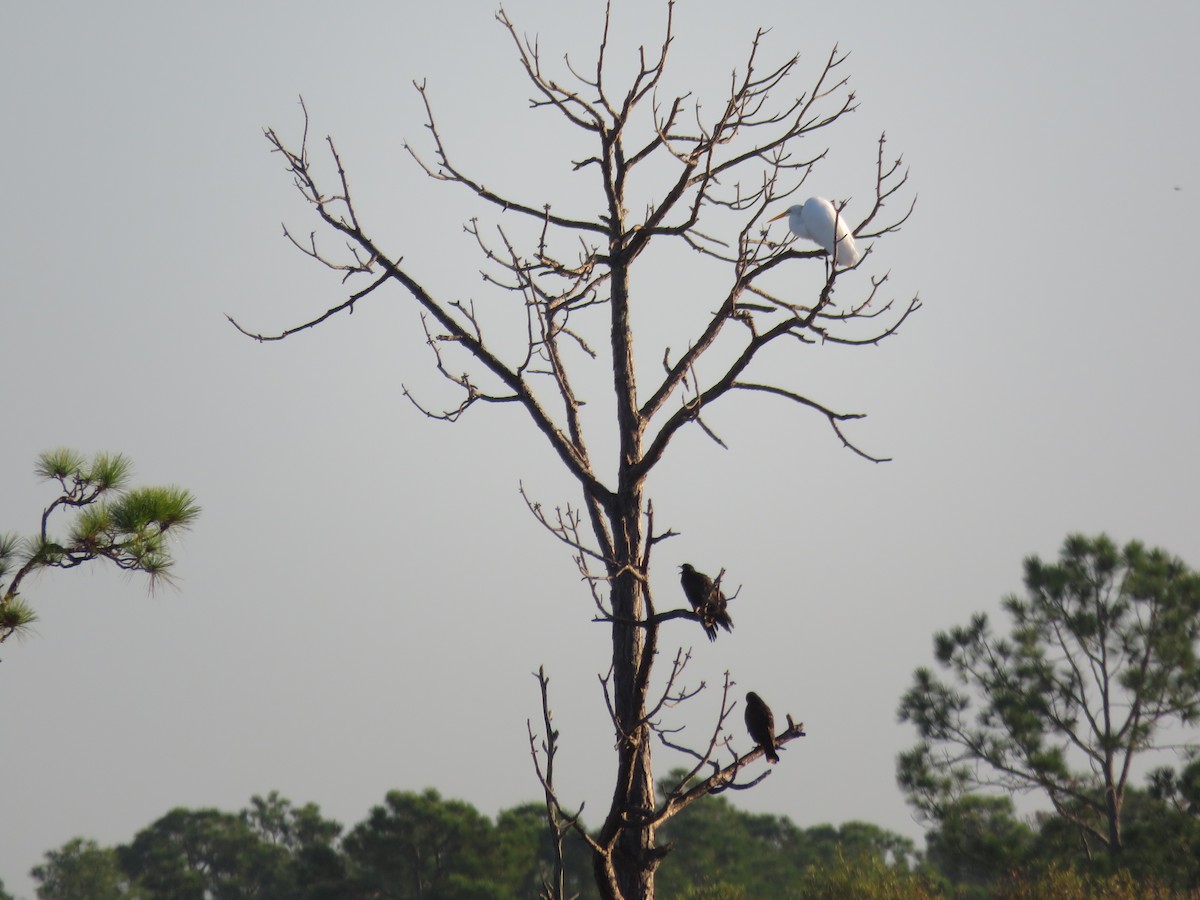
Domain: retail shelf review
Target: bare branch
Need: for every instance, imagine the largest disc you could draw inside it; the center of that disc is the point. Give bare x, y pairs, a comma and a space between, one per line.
347, 225
576, 110
835, 419
558, 820
887, 183
444, 170
348, 305
564, 527
723, 777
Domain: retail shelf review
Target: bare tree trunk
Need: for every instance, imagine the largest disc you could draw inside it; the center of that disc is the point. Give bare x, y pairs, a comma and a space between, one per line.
625, 865
1112, 809
625, 861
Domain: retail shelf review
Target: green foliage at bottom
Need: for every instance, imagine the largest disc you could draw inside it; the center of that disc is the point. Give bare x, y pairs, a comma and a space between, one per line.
721, 891
1067, 884
421, 845
718, 850
867, 877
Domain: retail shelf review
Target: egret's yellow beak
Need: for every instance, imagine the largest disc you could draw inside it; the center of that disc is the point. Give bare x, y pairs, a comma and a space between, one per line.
780, 216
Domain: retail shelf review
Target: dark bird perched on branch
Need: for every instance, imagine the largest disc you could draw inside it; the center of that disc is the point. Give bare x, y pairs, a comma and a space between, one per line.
761, 725
706, 599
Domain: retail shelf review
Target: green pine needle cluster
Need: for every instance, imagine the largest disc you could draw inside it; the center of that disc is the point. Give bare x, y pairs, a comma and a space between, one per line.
104, 520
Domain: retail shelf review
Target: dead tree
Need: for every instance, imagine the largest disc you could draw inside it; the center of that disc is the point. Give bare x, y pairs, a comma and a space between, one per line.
727, 174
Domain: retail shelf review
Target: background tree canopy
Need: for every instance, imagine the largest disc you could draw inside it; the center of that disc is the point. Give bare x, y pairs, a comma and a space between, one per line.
423, 845
1100, 663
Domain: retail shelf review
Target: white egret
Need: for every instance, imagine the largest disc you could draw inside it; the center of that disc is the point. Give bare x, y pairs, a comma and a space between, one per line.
817, 220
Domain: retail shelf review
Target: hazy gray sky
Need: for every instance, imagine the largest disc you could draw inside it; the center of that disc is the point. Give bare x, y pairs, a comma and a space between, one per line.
365, 596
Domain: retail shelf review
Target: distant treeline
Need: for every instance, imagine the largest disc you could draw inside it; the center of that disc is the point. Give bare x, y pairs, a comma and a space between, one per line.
422, 845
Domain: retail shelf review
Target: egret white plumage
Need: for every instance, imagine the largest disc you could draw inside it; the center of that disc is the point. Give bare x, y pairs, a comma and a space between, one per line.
817, 220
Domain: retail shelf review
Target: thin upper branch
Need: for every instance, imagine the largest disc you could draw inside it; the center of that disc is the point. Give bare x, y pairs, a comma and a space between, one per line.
444, 170
337, 211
